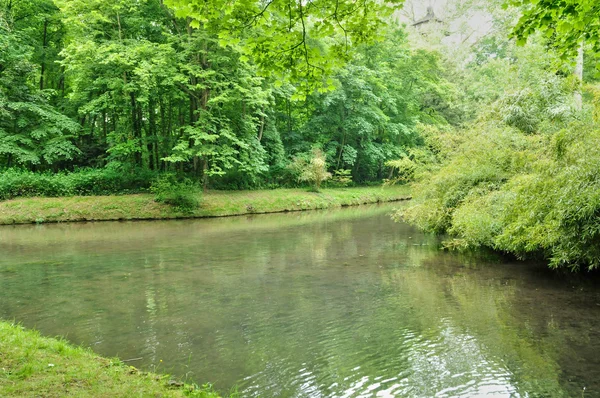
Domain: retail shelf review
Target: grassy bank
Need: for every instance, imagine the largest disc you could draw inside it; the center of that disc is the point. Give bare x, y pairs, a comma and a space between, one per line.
36, 366
214, 204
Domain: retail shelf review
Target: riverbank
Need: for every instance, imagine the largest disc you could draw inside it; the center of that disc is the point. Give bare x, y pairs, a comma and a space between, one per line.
34, 366
213, 204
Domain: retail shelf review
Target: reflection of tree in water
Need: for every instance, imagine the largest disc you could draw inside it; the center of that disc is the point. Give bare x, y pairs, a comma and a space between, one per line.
561, 317
526, 319
302, 304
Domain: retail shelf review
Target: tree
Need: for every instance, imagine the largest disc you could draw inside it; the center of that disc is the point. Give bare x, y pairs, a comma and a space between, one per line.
226, 92
32, 132
569, 24
314, 170
566, 22
379, 97
120, 69
228, 100
283, 36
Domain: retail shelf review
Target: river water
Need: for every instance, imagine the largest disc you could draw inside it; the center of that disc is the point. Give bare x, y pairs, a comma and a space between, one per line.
342, 303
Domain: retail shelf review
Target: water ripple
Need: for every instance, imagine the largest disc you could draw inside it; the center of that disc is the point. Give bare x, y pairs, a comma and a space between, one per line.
342, 305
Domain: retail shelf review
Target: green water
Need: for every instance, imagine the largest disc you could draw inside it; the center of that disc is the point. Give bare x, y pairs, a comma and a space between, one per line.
343, 303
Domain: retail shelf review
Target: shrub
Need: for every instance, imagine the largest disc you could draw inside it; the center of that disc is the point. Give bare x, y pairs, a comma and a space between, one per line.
313, 170
555, 210
183, 194
341, 178
16, 183
488, 157
19, 183
529, 195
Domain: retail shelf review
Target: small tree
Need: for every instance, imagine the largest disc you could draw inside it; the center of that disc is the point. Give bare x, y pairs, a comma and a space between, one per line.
313, 170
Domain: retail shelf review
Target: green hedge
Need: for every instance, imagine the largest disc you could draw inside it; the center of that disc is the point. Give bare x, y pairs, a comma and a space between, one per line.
18, 183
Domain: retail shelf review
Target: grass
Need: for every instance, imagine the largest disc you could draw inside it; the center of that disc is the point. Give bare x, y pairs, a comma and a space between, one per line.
36, 366
214, 204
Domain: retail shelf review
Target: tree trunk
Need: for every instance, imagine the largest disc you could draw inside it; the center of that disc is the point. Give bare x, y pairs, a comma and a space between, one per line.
104, 126
137, 157
44, 45
262, 127
579, 75
204, 175
144, 134
153, 132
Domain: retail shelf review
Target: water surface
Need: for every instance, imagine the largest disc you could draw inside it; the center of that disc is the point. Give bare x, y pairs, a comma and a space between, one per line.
343, 303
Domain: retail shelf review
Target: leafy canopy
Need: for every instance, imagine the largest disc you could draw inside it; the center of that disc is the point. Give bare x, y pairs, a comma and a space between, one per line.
565, 22
31, 131
283, 36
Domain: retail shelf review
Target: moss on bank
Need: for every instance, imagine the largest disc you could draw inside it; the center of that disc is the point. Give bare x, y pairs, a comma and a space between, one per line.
214, 204
36, 366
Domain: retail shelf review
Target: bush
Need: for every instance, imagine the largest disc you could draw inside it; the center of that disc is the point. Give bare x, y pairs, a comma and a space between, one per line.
555, 210
488, 157
312, 170
19, 183
341, 178
534, 196
182, 194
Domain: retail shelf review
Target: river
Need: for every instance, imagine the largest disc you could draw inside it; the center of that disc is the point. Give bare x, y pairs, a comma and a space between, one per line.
342, 303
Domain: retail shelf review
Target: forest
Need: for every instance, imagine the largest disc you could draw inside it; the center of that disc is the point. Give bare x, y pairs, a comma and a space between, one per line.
494, 124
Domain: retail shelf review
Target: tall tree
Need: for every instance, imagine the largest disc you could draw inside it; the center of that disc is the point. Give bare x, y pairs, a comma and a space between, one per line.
567, 22
32, 132
370, 117
282, 36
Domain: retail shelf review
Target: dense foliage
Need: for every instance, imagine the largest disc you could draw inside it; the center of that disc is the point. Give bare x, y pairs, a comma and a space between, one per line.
530, 195
523, 177
104, 97
16, 183
227, 93
285, 36
567, 23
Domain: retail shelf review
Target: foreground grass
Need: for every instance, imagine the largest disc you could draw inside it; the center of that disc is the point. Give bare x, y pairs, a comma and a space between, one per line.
36, 366
214, 204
